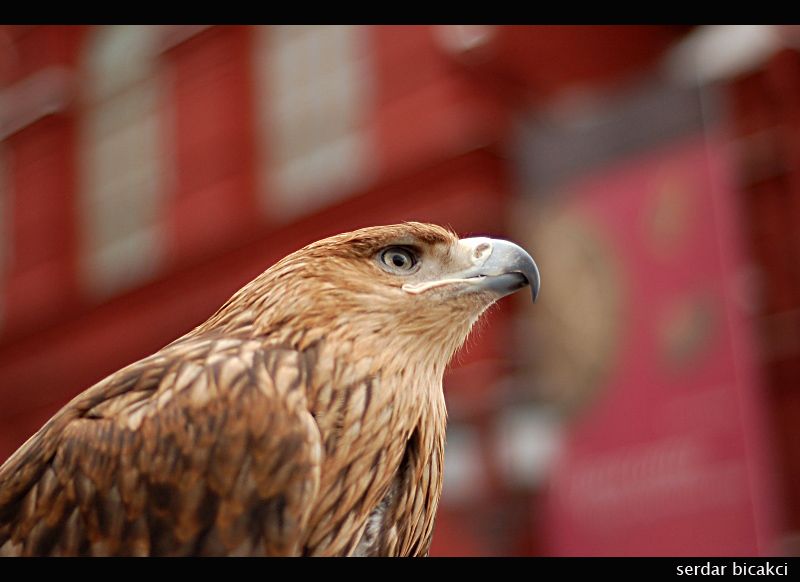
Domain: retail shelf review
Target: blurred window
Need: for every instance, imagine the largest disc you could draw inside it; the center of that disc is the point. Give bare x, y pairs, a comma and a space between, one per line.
121, 159
465, 480
314, 99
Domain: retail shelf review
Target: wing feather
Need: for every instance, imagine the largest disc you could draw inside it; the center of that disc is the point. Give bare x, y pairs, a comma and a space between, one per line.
205, 448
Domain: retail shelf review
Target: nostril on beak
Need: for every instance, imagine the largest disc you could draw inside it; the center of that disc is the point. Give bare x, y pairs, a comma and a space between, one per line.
482, 249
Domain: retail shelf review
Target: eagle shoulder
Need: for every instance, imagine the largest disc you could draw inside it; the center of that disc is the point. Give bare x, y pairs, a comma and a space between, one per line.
205, 448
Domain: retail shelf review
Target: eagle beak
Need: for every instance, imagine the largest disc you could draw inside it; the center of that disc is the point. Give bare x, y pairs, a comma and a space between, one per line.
500, 266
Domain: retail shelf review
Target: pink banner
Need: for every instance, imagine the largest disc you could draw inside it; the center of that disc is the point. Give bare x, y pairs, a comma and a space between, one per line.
669, 454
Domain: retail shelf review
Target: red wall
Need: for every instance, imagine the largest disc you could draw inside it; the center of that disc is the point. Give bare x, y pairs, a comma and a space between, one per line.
765, 109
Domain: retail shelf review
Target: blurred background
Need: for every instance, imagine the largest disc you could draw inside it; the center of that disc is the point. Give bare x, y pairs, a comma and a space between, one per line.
648, 404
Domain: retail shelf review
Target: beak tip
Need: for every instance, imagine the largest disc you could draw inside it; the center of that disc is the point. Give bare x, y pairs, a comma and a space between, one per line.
535, 280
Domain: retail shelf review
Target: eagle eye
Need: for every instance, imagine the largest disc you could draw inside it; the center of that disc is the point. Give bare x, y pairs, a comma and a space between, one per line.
399, 260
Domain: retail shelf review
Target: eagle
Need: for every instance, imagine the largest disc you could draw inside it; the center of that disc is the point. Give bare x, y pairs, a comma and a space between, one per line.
305, 417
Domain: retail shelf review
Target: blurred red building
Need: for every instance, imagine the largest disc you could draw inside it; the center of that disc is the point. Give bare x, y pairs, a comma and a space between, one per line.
147, 172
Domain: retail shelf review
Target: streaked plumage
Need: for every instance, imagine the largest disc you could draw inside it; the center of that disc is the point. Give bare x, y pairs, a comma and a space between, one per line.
305, 417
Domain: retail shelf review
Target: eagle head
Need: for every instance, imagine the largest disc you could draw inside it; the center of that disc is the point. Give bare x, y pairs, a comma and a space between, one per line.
410, 288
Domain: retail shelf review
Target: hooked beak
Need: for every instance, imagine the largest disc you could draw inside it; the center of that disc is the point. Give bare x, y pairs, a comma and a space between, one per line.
501, 266
498, 265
